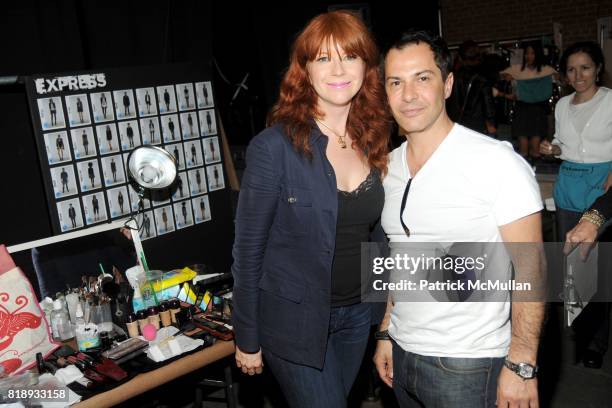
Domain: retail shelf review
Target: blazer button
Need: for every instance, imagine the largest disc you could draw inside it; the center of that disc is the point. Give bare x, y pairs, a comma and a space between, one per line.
329, 174
292, 200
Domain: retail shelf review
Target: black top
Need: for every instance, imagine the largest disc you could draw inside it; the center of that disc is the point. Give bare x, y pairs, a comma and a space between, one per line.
358, 213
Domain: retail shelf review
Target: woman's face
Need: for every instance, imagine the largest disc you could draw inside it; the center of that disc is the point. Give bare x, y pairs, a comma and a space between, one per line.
581, 72
529, 56
335, 76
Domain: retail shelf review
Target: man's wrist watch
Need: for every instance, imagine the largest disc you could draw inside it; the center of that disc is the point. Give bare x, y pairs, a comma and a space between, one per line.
524, 370
382, 335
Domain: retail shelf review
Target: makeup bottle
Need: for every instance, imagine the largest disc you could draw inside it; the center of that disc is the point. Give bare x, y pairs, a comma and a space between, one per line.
175, 307
153, 316
164, 314
132, 325
142, 319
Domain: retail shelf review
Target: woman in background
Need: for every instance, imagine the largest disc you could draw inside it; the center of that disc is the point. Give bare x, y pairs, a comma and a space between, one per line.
311, 193
533, 89
583, 139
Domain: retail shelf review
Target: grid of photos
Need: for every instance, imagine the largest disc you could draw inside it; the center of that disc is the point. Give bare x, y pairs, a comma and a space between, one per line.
87, 138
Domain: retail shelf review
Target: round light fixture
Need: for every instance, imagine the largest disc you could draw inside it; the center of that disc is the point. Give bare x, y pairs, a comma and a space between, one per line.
151, 168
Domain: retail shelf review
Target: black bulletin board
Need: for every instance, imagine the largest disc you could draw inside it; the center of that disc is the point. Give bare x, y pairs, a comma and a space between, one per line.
170, 106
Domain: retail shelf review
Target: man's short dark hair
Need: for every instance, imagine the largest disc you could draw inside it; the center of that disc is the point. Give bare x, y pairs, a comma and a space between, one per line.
438, 46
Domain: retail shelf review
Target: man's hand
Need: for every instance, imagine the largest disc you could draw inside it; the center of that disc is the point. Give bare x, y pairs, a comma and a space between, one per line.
249, 363
383, 360
514, 392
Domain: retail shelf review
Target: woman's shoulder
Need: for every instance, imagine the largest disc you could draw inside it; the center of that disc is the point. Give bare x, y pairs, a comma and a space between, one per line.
565, 101
548, 70
273, 136
606, 91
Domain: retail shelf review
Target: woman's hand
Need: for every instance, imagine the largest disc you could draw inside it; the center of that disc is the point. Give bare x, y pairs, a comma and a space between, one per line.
548, 149
249, 363
583, 234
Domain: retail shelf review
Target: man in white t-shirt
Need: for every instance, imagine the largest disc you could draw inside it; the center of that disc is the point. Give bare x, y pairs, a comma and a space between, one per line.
447, 183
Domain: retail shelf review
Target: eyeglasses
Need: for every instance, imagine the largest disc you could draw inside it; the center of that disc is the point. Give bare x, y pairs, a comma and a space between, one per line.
403, 206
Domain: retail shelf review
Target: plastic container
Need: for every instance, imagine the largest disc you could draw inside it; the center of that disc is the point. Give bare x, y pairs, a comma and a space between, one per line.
60, 322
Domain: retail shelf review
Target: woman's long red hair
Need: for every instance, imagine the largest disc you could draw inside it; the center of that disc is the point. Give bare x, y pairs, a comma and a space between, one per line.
369, 121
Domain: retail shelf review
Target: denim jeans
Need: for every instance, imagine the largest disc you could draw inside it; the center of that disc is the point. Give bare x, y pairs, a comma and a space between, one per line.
444, 382
308, 387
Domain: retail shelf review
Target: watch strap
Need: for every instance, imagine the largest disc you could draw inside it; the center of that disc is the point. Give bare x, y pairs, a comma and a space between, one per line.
382, 335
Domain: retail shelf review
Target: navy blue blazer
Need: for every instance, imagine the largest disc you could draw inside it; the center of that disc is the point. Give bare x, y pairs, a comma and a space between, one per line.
284, 247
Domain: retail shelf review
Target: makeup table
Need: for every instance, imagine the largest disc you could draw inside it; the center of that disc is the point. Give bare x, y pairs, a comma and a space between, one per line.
152, 379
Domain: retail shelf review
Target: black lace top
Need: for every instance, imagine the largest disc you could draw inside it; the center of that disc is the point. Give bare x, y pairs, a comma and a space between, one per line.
358, 212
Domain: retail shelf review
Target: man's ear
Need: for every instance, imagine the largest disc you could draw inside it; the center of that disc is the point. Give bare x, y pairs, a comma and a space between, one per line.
448, 85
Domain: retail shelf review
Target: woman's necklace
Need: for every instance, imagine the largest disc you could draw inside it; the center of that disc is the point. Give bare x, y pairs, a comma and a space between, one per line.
341, 138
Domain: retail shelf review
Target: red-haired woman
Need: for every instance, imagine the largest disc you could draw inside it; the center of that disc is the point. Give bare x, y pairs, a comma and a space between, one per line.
311, 193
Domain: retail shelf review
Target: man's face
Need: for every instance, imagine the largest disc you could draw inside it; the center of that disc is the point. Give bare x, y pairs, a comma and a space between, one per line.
415, 88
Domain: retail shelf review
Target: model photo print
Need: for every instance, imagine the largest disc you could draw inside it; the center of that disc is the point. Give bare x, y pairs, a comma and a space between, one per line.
149, 128
212, 153
208, 124
146, 224
215, 177
64, 181
147, 105
124, 104
118, 202
135, 199
95, 208
69, 214
183, 215
51, 113
164, 220
201, 209
89, 175
193, 153
108, 140
102, 107
170, 128
57, 147
204, 95
189, 125
197, 181
181, 187
166, 99
176, 150
129, 135
186, 97
78, 110
112, 170
83, 142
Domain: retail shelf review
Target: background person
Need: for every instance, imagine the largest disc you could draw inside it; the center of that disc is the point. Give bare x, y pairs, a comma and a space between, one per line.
583, 140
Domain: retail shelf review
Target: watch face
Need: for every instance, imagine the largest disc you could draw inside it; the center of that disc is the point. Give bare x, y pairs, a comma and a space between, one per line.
525, 370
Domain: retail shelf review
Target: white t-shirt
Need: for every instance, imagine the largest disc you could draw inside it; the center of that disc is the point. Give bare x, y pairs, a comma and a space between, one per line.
470, 186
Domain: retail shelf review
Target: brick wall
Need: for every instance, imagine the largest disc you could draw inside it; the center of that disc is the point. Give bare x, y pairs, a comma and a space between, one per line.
485, 20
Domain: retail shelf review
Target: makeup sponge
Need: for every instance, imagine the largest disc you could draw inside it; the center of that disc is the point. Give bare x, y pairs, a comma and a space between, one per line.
149, 332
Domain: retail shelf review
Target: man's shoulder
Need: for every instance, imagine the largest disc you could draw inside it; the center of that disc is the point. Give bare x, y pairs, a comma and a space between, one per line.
484, 155
475, 143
